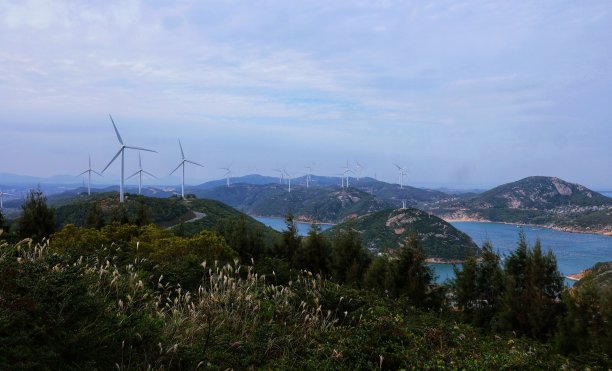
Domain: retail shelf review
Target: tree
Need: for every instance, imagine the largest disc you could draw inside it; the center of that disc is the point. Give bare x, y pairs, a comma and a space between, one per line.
120, 215
348, 261
478, 286
377, 277
411, 275
245, 239
530, 302
37, 219
143, 214
95, 217
313, 253
291, 239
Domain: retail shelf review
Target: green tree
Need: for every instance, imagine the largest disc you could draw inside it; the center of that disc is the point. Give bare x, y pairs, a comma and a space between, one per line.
377, 278
95, 217
143, 213
2, 220
291, 239
37, 219
478, 286
120, 215
348, 260
530, 303
246, 240
313, 253
411, 275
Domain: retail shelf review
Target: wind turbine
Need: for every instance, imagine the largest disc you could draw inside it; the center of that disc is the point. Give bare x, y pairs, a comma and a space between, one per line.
228, 172
288, 178
308, 176
89, 171
358, 168
139, 173
182, 163
2, 194
347, 170
402, 172
121, 152
281, 177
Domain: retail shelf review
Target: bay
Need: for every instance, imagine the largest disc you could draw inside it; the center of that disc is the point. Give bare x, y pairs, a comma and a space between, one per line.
574, 251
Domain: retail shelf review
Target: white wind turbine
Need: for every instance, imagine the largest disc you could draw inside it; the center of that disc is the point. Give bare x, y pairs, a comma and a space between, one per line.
358, 169
2, 194
288, 178
88, 172
309, 168
182, 163
401, 172
139, 173
281, 176
228, 173
346, 172
121, 152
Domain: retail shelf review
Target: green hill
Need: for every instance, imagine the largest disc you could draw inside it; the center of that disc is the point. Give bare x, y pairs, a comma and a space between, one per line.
388, 229
544, 201
599, 275
321, 204
191, 215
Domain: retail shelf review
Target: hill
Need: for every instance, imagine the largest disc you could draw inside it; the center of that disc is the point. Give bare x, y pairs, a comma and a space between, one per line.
544, 201
191, 215
387, 229
599, 275
321, 204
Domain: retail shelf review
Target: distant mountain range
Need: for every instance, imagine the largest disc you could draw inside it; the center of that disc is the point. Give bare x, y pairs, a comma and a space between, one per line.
543, 201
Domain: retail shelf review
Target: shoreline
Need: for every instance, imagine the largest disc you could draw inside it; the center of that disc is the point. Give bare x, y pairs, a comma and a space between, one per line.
560, 229
297, 220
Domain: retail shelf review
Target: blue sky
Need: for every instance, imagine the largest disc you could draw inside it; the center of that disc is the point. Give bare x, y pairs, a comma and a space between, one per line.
463, 93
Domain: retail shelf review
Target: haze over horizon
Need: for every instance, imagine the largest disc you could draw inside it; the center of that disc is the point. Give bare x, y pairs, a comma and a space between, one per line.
474, 93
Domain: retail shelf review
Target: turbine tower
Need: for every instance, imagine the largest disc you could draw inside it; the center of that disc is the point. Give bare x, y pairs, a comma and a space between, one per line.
182, 163
288, 178
139, 173
281, 176
401, 172
2, 194
358, 169
228, 173
122, 153
347, 170
309, 168
89, 171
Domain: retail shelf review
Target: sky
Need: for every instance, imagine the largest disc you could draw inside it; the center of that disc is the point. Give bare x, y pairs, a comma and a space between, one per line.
461, 93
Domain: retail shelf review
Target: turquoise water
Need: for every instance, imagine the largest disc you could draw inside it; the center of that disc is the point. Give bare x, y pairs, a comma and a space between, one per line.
574, 251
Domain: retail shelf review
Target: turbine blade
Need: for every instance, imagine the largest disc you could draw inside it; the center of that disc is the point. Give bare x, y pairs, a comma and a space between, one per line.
116, 131
141, 149
89, 161
84, 172
139, 161
133, 175
181, 164
397, 166
149, 174
114, 158
195, 163
95, 172
182, 153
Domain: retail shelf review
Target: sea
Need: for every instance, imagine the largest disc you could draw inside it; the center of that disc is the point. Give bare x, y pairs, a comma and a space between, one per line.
574, 251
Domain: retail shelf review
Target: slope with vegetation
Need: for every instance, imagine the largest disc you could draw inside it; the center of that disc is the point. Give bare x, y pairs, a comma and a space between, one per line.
389, 229
544, 201
320, 204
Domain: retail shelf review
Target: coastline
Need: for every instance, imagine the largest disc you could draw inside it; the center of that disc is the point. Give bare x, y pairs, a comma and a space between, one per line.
561, 229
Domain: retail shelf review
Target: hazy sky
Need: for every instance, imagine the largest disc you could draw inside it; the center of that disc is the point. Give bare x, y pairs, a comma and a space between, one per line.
460, 92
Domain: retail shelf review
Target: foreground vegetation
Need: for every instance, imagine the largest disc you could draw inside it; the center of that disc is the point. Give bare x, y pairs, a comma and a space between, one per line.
142, 297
